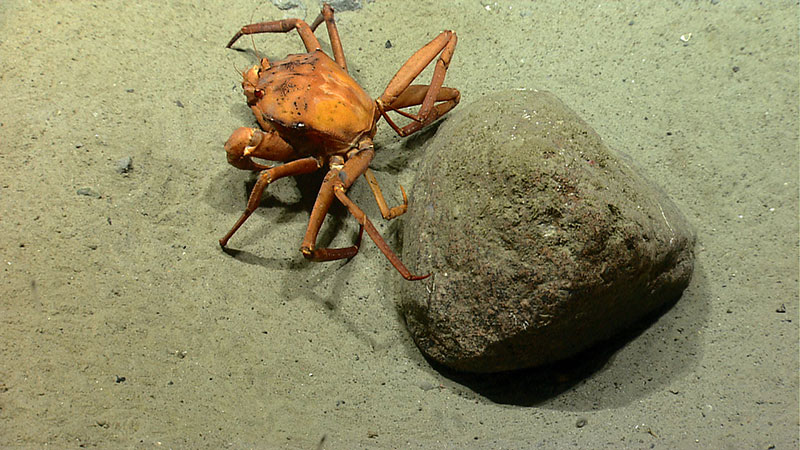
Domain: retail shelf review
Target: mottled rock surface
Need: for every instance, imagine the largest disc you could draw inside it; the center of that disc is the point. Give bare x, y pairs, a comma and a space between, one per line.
542, 241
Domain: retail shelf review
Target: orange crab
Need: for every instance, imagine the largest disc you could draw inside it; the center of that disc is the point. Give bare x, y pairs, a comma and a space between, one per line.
312, 114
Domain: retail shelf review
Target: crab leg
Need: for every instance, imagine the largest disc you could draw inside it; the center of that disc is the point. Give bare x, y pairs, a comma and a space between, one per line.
336, 183
333, 32
415, 95
318, 213
296, 167
349, 171
443, 45
280, 26
375, 235
387, 213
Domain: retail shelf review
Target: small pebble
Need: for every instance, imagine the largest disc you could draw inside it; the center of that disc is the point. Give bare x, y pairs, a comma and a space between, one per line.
125, 165
427, 386
581, 422
89, 192
283, 5
345, 5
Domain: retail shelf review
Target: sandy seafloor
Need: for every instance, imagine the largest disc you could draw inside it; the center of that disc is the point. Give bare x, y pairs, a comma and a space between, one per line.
125, 325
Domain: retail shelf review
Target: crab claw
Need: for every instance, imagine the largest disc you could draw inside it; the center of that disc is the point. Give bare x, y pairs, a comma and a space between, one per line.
247, 143
239, 146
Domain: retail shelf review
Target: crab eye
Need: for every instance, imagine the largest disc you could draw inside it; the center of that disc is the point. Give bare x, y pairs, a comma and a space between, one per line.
259, 93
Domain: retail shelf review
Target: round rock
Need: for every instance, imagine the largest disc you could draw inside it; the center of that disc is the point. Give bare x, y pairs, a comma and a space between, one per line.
541, 240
